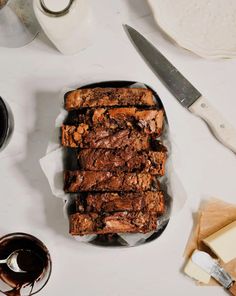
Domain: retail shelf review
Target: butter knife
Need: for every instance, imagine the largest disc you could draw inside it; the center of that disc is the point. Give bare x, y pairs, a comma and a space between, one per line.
183, 90
212, 267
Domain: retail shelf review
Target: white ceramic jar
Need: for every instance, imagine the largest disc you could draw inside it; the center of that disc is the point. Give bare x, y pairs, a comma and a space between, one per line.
65, 22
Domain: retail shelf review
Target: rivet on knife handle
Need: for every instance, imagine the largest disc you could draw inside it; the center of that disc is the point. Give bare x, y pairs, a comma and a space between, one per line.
222, 130
232, 289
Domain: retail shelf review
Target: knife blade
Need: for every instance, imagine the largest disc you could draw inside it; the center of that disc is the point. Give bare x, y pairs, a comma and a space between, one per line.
183, 90
212, 267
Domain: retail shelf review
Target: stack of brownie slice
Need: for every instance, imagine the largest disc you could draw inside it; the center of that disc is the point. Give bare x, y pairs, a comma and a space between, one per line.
114, 132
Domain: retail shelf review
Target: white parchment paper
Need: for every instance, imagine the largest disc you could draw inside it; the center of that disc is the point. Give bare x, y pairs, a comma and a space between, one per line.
52, 166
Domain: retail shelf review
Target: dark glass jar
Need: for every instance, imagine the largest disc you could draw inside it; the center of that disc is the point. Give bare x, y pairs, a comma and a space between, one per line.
6, 123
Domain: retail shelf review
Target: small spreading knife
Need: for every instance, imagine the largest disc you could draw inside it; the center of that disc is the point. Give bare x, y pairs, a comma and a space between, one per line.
183, 90
212, 267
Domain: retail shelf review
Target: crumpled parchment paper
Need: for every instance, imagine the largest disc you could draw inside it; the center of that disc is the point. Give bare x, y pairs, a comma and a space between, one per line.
212, 216
52, 166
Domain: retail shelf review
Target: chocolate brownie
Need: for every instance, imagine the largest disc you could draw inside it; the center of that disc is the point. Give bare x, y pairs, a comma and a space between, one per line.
148, 201
119, 222
98, 97
126, 160
83, 137
76, 181
150, 121
119, 158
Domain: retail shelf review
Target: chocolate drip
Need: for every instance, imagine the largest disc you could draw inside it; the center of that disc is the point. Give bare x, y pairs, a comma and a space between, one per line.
33, 258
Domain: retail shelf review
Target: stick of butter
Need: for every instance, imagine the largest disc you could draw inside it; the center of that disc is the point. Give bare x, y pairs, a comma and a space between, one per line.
223, 242
195, 272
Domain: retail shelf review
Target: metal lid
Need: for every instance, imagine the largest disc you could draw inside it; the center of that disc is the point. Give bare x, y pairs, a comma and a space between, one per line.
51, 9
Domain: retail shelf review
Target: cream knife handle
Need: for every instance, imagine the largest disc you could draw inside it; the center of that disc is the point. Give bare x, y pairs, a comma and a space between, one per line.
232, 289
222, 130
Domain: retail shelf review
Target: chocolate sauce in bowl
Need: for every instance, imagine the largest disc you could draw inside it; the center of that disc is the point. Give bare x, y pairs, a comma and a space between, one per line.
30, 262
33, 258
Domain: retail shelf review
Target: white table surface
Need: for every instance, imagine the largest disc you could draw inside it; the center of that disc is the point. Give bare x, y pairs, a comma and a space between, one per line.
31, 79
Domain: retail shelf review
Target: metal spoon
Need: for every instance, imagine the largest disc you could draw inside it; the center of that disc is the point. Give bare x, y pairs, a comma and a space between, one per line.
11, 261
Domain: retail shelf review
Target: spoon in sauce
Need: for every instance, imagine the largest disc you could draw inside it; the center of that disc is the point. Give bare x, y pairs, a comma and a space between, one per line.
21, 261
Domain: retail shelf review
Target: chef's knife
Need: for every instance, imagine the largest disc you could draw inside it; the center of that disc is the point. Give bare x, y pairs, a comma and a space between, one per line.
183, 90
212, 267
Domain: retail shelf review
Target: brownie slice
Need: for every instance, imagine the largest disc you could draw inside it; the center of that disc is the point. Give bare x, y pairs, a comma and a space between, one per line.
81, 136
119, 222
126, 160
150, 121
76, 181
148, 201
97, 97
